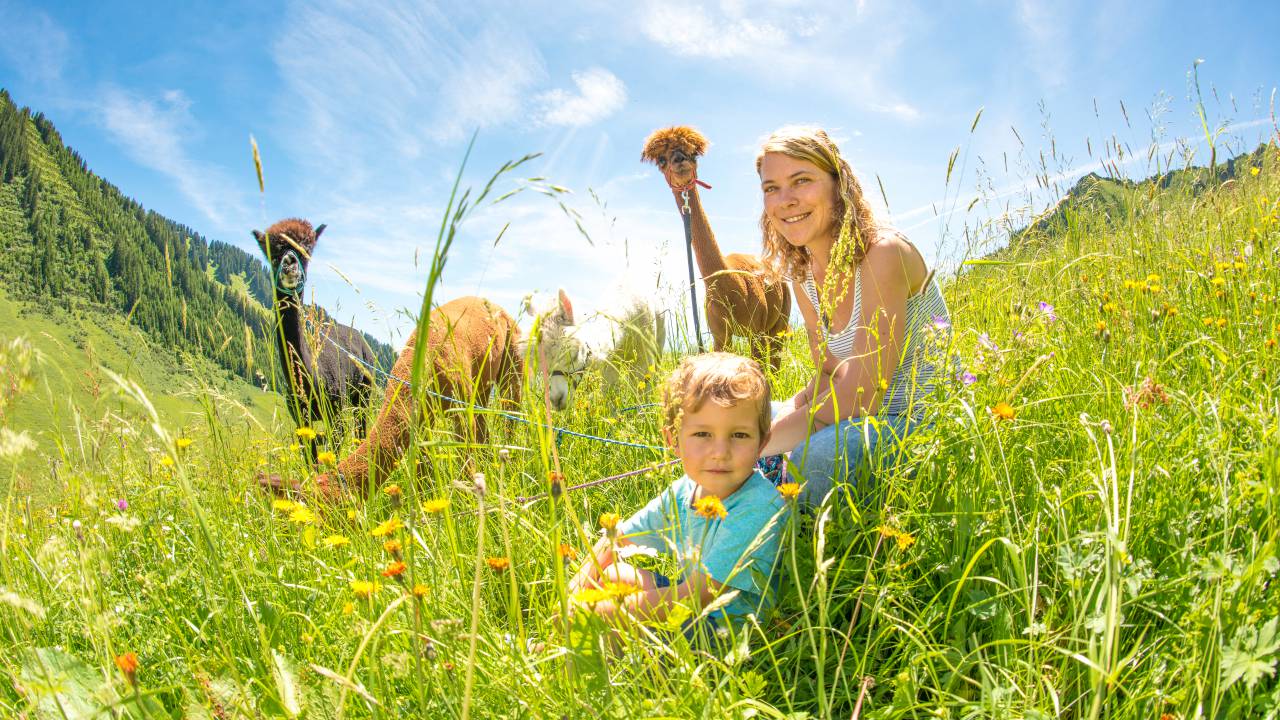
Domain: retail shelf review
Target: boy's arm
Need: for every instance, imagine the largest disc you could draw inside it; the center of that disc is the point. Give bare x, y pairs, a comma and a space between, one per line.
601, 557
655, 604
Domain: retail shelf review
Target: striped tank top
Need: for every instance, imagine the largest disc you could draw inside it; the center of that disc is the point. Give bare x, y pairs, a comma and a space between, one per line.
927, 335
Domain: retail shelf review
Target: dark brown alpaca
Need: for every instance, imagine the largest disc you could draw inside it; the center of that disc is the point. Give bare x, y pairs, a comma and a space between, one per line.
319, 382
472, 347
743, 298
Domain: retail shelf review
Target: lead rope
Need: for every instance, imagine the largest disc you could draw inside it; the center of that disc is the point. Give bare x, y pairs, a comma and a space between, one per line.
686, 214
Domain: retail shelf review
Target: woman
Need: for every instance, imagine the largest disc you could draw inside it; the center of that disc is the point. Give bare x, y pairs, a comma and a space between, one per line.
876, 321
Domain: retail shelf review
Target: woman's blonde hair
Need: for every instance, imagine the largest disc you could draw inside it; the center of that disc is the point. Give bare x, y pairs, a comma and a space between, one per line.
858, 226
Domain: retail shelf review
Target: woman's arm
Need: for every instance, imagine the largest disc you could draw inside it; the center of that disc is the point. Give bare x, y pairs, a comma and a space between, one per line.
792, 424
858, 384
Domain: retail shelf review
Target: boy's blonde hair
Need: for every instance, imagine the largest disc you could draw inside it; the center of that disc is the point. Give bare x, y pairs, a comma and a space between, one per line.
724, 378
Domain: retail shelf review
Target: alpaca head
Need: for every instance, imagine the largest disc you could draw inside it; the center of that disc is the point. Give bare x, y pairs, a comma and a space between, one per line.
566, 355
675, 150
288, 245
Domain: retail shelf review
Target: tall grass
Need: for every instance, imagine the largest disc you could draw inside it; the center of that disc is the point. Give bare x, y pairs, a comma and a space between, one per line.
1107, 551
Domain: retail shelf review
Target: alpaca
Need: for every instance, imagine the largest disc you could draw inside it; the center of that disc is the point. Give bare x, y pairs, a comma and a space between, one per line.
472, 348
319, 383
743, 297
625, 343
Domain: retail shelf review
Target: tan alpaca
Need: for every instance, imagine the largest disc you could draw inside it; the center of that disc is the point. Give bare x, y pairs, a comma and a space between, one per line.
743, 298
472, 346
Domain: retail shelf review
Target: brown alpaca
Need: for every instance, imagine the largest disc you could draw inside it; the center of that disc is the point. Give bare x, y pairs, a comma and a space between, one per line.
743, 297
472, 347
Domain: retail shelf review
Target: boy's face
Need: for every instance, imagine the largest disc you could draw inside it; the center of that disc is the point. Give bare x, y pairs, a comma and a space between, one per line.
718, 445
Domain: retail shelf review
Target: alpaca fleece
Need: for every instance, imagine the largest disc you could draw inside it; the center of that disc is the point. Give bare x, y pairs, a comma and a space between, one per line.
472, 347
323, 380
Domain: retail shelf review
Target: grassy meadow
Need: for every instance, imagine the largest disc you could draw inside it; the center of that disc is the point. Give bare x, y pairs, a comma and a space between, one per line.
1087, 530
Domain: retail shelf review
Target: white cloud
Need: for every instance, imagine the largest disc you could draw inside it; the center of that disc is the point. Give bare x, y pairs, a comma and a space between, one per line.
840, 49
154, 134
360, 77
600, 94
692, 31
1047, 42
900, 110
32, 43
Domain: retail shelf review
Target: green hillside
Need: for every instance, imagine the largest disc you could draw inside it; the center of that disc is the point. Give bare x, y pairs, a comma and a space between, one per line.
93, 281
70, 239
72, 396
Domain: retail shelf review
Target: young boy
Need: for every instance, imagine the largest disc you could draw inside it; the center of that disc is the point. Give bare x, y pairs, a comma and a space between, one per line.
722, 520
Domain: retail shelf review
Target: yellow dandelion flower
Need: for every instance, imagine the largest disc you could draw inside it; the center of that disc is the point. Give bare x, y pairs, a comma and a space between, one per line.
305, 433
1221, 322
364, 589
1218, 280
301, 515
619, 590
420, 590
498, 564
395, 569
335, 541
294, 447
1153, 278
1254, 171
348, 608
609, 521
434, 505
166, 461
789, 491
1271, 342
1109, 307
392, 546
393, 491
183, 443
1003, 411
566, 551
905, 540
326, 457
386, 528
710, 508
1100, 326
283, 505
590, 596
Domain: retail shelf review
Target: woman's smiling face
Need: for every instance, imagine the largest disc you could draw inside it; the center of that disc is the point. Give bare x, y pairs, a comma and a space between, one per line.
799, 199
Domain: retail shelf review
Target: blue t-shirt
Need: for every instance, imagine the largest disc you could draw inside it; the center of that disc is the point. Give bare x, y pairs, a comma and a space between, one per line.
739, 552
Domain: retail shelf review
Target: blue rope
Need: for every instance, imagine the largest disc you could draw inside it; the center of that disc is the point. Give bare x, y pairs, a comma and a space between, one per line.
559, 431
637, 407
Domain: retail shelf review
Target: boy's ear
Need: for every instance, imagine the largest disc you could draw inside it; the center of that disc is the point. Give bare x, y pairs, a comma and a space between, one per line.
764, 440
671, 441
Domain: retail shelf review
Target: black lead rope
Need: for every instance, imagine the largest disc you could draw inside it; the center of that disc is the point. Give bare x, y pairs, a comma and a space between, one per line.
686, 214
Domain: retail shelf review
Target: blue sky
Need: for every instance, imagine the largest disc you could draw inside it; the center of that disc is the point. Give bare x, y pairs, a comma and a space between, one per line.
362, 113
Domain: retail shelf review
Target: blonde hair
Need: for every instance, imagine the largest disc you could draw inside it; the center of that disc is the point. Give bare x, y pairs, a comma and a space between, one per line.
723, 378
858, 225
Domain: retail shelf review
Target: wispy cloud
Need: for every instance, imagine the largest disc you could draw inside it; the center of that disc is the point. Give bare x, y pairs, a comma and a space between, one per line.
359, 77
32, 43
691, 30
846, 46
1046, 39
154, 132
600, 94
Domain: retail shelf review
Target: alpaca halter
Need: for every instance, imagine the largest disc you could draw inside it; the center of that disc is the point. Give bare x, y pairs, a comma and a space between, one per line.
277, 278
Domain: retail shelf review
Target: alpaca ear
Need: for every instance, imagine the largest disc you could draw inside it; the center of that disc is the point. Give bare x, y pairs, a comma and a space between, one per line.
566, 307
319, 230
261, 237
